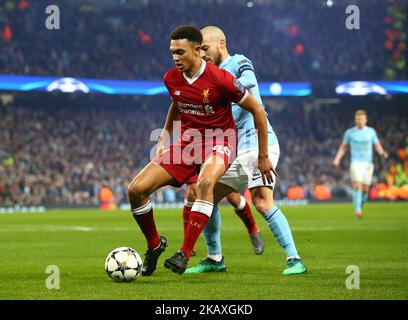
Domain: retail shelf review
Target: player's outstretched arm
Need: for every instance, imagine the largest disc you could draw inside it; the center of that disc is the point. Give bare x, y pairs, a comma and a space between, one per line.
172, 115
340, 153
264, 163
380, 150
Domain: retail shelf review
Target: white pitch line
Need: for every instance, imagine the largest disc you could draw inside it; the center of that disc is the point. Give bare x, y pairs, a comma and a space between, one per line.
47, 228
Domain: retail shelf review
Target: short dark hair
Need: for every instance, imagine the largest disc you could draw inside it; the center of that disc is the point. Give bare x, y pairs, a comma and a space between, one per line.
192, 34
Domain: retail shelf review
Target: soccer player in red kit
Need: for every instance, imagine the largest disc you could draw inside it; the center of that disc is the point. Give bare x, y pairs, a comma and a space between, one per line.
201, 99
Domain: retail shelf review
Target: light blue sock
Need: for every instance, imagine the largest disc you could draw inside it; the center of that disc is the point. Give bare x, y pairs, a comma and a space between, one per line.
357, 199
280, 228
212, 233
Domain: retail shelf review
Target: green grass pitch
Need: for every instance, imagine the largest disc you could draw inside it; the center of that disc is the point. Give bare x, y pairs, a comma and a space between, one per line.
328, 238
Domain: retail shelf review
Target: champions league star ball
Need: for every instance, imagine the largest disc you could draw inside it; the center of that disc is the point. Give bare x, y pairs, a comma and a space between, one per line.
123, 264
69, 85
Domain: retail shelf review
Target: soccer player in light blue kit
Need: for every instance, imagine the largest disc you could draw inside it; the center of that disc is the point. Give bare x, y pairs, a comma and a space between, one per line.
243, 172
361, 139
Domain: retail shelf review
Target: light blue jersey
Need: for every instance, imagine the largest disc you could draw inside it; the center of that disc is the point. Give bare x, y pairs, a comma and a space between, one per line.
361, 143
241, 68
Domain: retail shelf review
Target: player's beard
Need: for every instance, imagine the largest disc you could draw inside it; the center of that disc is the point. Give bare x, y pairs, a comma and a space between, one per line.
218, 58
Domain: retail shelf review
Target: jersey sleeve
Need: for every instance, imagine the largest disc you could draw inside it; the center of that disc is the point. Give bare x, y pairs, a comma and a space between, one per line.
248, 79
245, 72
375, 137
346, 137
233, 88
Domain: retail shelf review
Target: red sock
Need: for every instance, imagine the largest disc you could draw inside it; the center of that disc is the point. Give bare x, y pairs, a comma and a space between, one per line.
148, 227
247, 218
196, 224
186, 215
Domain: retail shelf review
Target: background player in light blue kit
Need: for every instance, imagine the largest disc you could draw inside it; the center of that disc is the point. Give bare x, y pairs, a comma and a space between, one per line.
361, 139
243, 172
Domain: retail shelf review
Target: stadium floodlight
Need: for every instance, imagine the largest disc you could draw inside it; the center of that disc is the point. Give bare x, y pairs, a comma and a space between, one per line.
276, 88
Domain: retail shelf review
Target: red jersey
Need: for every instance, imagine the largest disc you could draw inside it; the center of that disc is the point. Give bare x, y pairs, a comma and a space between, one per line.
204, 101
204, 104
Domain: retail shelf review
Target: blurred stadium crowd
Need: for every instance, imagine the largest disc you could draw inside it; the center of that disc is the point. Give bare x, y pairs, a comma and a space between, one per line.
71, 154
65, 155
287, 40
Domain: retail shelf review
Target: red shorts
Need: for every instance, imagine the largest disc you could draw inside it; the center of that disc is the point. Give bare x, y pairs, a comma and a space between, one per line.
193, 179
184, 165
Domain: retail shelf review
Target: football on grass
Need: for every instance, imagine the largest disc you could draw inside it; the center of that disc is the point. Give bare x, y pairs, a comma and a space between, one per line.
123, 264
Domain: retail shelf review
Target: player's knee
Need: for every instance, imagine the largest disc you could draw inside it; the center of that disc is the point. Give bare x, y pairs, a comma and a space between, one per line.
262, 205
137, 191
358, 185
191, 194
205, 186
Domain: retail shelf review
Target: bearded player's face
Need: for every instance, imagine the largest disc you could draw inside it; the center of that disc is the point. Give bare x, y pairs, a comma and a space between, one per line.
211, 52
184, 54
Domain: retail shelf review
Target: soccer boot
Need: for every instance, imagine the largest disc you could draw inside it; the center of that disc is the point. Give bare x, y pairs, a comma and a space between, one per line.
294, 266
151, 257
177, 263
257, 242
208, 265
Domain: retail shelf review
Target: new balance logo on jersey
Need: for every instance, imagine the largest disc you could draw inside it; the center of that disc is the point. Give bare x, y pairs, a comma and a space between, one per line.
208, 109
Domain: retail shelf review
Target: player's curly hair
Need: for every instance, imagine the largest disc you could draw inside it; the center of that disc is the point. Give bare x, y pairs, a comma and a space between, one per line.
192, 34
